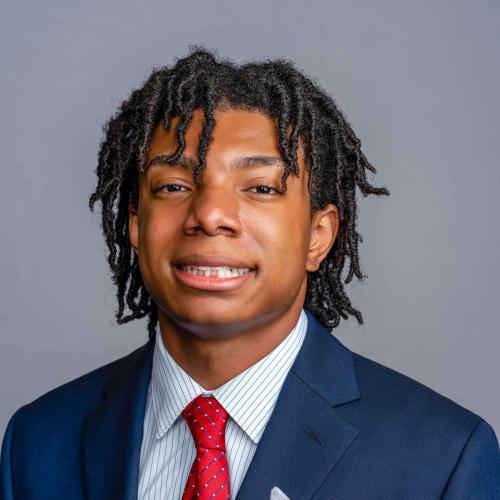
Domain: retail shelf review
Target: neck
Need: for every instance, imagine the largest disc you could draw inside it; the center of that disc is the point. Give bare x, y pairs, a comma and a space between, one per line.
212, 360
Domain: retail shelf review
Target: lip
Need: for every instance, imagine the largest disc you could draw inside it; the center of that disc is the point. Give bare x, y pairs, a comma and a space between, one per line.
196, 259
211, 283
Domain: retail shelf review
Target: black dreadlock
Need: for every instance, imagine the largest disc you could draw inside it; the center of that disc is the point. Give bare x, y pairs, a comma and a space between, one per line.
333, 156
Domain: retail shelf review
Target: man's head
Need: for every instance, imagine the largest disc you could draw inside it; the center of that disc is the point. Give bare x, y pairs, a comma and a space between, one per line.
171, 190
238, 217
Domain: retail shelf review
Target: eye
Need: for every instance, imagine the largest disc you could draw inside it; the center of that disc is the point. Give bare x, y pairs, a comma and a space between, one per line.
167, 188
267, 189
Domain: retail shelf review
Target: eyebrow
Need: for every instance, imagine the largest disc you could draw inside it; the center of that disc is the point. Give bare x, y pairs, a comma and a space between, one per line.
190, 163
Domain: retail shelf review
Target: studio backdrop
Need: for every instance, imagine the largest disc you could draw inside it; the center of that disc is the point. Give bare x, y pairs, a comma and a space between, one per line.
417, 80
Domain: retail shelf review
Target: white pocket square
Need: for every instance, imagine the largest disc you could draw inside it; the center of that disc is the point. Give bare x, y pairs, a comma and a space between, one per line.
277, 494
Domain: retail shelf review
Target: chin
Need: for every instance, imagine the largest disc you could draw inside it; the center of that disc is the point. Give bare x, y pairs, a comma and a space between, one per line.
207, 321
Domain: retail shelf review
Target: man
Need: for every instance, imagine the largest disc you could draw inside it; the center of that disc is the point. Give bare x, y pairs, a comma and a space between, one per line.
229, 208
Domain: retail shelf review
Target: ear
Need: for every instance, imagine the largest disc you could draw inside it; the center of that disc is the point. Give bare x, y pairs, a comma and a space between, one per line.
133, 227
324, 229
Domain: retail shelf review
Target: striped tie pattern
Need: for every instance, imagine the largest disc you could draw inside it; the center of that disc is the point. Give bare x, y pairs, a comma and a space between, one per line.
209, 475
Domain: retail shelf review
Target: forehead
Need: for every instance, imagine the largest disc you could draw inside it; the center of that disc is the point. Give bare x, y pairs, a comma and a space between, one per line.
241, 129
238, 136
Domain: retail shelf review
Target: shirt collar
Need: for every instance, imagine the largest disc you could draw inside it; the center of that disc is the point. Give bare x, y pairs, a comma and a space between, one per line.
258, 387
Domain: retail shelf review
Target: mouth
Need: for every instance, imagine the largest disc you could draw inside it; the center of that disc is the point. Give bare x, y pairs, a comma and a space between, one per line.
212, 273
212, 279
221, 272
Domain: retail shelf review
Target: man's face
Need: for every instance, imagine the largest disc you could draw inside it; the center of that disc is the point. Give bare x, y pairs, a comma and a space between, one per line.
230, 218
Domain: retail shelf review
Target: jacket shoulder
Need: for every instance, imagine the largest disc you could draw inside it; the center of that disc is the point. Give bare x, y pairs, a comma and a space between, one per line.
402, 411
71, 401
408, 430
400, 393
41, 449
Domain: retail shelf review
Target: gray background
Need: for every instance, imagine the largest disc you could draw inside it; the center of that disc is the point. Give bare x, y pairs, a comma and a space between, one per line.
418, 80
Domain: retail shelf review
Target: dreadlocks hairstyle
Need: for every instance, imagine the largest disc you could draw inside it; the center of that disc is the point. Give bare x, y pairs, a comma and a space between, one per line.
333, 158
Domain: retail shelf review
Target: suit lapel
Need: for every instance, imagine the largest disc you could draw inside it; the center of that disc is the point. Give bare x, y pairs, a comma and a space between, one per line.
305, 437
112, 434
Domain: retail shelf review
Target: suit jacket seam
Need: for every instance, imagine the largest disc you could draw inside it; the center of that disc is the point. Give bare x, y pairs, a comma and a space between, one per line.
312, 388
459, 457
332, 470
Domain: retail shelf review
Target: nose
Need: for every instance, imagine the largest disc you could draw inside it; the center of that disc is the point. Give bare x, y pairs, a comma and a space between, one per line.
214, 210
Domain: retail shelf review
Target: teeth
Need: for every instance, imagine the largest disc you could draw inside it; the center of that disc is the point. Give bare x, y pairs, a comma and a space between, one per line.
220, 272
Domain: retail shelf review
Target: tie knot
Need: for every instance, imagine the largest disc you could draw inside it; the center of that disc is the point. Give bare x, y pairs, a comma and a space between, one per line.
207, 420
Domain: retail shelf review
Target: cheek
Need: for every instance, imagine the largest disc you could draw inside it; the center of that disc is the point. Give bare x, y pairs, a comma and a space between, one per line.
157, 230
284, 242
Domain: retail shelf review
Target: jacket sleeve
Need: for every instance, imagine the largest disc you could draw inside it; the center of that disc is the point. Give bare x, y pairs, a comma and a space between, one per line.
476, 475
6, 487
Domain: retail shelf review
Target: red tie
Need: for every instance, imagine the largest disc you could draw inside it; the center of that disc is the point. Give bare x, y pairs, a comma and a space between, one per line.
209, 475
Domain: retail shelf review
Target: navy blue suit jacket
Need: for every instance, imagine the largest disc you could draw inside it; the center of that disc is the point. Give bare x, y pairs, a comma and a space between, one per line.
344, 427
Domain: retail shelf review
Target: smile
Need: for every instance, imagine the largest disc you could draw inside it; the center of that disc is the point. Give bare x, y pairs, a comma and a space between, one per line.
220, 272
212, 278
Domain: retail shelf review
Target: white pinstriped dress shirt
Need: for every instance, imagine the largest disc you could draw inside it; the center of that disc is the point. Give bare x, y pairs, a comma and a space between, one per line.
168, 449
